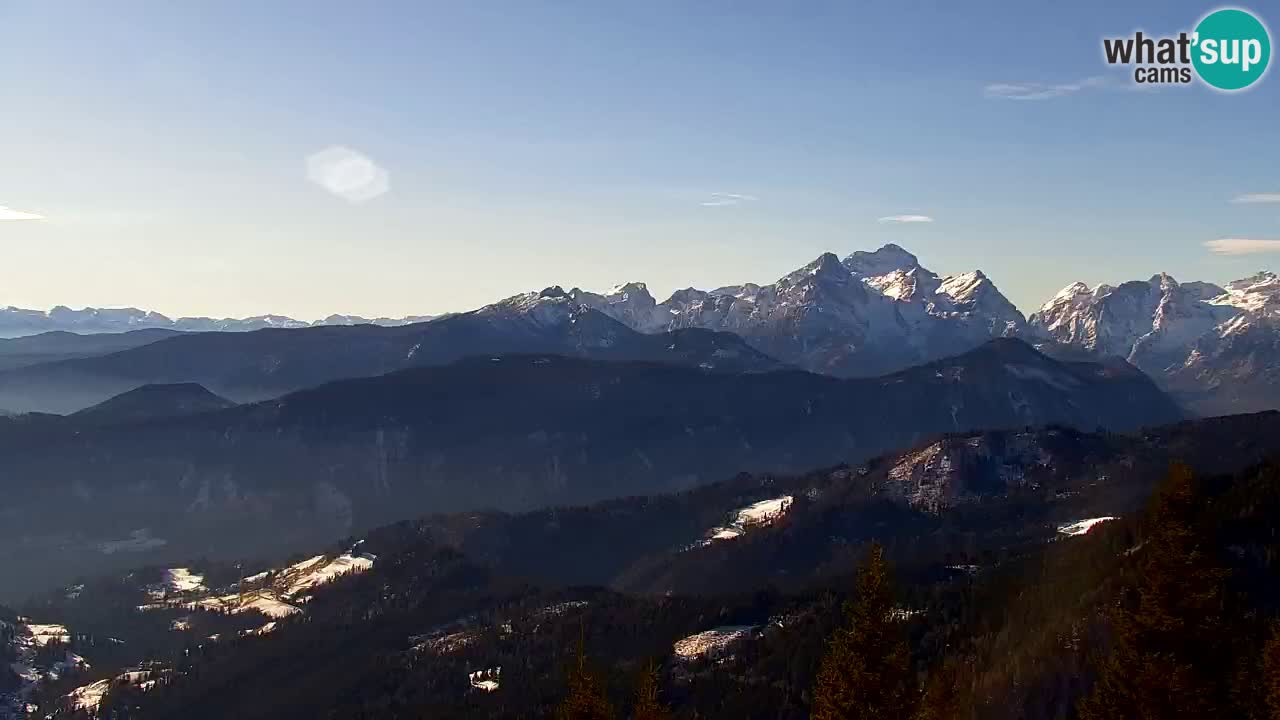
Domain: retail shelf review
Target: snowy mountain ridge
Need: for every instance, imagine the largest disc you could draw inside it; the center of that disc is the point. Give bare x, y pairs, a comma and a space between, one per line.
20, 322
879, 311
870, 313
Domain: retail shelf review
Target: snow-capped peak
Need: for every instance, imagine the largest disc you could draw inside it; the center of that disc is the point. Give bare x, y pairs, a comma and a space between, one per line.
887, 259
1260, 281
1258, 293
1076, 293
965, 287
1163, 281
550, 307
626, 290
827, 265
630, 304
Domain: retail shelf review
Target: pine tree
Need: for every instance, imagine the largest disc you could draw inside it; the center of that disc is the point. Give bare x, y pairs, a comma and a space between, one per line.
1170, 655
586, 699
864, 673
647, 706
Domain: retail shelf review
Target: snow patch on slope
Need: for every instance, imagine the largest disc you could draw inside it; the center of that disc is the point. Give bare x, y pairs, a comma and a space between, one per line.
759, 514
274, 593
314, 572
712, 643
1082, 527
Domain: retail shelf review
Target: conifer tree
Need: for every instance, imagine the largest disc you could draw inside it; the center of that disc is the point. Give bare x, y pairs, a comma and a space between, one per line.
864, 674
1170, 644
647, 705
586, 699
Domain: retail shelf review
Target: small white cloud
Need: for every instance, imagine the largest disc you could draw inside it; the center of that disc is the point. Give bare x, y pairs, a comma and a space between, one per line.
348, 174
905, 219
1040, 91
1242, 246
727, 199
11, 214
1257, 198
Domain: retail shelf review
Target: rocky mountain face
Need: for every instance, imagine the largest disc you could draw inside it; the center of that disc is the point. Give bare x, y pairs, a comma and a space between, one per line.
1215, 347
18, 322
511, 432
873, 312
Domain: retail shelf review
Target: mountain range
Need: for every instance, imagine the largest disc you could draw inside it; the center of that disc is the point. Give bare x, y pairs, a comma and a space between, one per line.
251, 366
19, 322
511, 432
872, 313
62, 345
1214, 348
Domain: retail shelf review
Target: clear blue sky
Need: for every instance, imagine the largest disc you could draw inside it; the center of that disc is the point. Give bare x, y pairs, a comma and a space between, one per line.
584, 143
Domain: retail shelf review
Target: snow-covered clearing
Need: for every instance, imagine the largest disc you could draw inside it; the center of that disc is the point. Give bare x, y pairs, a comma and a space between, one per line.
42, 635
182, 580
486, 680
88, 697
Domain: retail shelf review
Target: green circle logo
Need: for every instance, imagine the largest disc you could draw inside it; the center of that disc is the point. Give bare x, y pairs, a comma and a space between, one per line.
1232, 49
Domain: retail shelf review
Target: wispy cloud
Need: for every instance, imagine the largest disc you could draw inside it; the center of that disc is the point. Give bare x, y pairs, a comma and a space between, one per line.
904, 219
1257, 198
1040, 91
727, 199
1242, 246
11, 214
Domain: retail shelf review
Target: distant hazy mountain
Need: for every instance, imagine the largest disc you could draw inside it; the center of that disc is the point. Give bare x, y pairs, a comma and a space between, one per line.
61, 345
18, 322
252, 366
152, 402
1217, 348
512, 432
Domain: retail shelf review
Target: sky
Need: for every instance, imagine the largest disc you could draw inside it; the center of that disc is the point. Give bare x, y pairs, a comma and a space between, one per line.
235, 158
